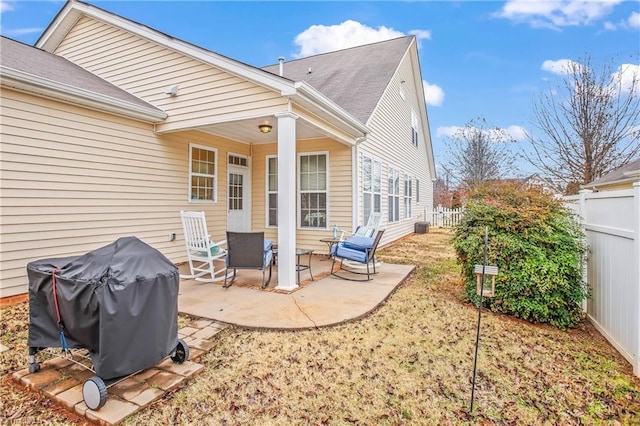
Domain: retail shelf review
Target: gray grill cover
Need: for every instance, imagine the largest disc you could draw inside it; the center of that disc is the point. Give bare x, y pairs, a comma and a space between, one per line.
119, 301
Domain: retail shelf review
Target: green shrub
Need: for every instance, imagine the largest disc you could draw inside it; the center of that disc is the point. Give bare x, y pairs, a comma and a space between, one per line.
537, 247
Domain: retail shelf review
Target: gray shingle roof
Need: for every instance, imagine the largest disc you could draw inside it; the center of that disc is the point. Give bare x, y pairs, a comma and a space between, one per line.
37, 62
617, 174
353, 78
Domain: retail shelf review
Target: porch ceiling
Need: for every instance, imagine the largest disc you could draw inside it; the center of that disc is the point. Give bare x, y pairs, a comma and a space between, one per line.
246, 131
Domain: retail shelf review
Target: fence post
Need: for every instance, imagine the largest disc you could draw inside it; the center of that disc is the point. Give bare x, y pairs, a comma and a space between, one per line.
636, 244
583, 225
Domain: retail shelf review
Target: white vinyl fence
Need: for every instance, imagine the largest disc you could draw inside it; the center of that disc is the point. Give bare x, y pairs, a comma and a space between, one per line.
443, 217
611, 220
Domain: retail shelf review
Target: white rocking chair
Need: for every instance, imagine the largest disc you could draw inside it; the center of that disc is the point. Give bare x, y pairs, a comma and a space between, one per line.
201, 251
369, 230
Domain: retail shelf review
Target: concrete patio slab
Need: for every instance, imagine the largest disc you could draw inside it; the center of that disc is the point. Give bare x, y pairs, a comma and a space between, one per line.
323, 302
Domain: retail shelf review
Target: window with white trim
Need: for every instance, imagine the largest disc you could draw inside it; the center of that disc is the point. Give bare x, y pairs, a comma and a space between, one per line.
202, 174
394, 194
414, 128
408, 196
312, 190
371, 187
272, 190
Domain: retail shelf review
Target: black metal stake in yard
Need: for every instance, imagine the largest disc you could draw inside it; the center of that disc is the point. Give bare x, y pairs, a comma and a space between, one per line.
475, 359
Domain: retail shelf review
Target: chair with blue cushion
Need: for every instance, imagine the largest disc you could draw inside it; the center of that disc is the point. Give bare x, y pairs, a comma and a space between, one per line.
249, 250
202, 252
356, 250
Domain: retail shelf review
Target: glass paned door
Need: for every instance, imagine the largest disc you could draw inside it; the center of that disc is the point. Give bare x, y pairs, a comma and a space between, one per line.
238, 192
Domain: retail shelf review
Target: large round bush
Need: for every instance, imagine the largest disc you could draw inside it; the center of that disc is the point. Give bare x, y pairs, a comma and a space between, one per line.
537, 246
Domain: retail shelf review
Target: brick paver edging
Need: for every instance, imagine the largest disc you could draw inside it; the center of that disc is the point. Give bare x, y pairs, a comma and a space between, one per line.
61, 379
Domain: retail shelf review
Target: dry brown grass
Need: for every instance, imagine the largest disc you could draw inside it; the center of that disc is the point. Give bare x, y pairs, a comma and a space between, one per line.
410, 362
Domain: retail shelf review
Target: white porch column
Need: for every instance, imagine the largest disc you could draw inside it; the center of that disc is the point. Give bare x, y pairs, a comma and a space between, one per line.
287, 201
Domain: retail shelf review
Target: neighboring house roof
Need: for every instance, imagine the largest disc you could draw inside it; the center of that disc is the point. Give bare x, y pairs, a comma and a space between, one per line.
630, 172
353, 78
28, 68
537, 180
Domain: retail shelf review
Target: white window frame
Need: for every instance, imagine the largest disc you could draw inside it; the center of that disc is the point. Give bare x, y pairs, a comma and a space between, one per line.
300, 191
414, 128
270, 191
193, 174
393, 192
408, 196
239, 156
376, 175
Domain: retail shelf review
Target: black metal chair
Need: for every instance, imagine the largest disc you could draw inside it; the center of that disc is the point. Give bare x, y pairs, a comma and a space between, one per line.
360, 250
248, 250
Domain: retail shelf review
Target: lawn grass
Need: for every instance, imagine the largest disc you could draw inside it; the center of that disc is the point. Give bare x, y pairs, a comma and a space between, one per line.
409, 362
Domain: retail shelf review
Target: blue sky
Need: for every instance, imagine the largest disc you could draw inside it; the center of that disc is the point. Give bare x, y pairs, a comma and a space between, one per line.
478, 58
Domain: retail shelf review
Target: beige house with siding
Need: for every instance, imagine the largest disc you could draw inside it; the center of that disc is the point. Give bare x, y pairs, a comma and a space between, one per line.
109, 128
621, 178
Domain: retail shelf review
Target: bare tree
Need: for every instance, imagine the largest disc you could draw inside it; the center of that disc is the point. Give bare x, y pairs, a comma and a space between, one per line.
589, 125
479, 153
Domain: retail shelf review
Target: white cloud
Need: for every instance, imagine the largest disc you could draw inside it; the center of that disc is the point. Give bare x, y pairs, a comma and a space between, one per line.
560, 67
5, 7
625, 77
447, 131
556, 13
327, 38
631, 23
421, 34
515, 132
433, 94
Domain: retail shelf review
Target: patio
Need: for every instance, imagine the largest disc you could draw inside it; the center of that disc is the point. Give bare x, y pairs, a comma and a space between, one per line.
325, 301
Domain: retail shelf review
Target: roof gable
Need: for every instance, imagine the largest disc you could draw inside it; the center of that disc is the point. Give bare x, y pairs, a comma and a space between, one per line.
299, 92
354, 78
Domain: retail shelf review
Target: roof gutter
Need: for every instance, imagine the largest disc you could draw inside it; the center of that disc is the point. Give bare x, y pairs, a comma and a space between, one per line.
26, 82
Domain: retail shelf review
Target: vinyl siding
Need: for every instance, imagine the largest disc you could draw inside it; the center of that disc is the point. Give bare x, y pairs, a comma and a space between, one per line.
206, 94
73, 180
390, 143
340, 190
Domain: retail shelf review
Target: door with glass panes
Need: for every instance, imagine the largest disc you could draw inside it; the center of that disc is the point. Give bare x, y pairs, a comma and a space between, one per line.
238, 193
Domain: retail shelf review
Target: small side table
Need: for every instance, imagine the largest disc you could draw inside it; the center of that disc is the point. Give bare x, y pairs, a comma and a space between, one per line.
330, 242
301, 266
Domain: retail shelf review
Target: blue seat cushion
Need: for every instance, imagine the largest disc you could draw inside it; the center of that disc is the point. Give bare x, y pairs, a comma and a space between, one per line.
268, 252
214, 249
358, 243
268, 257
351, 254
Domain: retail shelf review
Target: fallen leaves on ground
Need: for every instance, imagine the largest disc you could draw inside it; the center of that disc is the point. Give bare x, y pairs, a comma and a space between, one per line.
409, 362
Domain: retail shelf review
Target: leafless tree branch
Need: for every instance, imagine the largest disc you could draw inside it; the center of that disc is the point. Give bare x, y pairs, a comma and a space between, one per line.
589, 126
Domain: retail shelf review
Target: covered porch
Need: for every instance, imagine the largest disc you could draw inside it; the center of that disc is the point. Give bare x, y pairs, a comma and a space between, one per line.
287, 170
